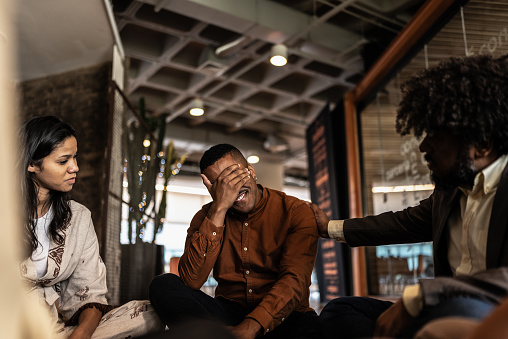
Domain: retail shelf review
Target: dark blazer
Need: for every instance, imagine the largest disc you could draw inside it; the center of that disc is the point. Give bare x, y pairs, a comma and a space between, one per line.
427, 222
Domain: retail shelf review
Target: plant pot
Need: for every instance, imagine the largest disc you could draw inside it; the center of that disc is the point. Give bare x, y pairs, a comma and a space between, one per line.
141, 262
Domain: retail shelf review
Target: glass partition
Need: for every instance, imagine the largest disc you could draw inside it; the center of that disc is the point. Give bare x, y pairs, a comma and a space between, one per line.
395, 174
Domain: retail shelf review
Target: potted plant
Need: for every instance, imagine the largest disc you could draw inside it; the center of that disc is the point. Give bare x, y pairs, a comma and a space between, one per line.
147, 164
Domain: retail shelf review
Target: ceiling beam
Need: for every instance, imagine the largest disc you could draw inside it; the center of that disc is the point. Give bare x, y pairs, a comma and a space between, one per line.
272, 21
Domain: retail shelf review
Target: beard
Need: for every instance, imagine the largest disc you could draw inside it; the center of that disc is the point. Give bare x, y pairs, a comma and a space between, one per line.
463, 175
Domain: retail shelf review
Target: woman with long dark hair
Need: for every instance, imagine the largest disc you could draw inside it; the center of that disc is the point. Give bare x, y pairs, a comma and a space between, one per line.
62, 264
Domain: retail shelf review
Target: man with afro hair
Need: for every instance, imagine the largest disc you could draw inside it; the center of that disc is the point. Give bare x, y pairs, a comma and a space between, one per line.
460, 109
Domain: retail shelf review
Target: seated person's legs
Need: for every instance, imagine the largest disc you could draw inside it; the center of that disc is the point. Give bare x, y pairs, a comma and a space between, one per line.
465, 307
194, 329
298, 325
448, 327
176, 302
351, 317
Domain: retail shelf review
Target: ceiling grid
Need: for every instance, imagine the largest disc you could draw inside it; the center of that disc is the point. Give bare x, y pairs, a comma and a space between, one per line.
218, 51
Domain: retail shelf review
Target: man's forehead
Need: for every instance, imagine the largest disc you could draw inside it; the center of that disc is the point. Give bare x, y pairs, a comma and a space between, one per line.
226, 161
223, 163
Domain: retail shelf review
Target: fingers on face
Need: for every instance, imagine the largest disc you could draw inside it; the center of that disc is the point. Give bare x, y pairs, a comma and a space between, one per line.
234, 175
238, 177
206, 182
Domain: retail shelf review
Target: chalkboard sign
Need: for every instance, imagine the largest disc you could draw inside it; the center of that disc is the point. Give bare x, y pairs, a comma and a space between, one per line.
329, 190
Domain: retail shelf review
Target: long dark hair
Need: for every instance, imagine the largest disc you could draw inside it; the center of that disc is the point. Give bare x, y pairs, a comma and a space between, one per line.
38, 137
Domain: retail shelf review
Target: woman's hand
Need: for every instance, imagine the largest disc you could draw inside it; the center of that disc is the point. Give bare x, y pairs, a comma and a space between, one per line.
79, 334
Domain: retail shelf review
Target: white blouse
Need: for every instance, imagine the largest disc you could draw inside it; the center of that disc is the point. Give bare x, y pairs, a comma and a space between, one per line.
40, 254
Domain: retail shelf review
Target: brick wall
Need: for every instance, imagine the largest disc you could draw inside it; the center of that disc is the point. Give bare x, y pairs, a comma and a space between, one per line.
80, 98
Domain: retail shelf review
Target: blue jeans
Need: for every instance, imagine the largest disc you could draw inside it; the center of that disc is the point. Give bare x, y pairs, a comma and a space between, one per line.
355, 317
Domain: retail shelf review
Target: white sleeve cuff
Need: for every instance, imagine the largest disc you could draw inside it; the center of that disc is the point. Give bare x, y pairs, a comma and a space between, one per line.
412, 299
336, 230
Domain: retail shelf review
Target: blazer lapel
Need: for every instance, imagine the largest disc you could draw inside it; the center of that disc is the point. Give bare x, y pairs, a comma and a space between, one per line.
496, 240
446, 204
447, 200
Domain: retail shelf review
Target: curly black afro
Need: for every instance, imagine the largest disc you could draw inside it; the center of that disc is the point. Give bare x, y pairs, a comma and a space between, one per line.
467, 97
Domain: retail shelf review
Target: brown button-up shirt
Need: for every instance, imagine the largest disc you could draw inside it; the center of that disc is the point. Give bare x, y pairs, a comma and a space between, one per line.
262, 260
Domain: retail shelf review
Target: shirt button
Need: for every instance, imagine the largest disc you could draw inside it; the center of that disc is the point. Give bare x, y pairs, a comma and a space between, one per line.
250, 290
246, 224
247, 272
214, 233
245, 248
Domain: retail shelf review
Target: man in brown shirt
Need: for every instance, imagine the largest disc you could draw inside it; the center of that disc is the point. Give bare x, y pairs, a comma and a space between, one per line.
261, 245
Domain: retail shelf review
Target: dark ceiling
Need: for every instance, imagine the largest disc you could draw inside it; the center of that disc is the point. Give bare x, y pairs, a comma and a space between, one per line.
218, 51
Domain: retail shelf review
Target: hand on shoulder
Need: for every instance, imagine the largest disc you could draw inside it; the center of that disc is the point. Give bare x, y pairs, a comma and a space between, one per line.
321, 220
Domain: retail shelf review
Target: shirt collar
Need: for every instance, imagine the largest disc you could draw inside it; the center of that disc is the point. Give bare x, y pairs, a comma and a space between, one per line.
262, 202
488, 179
